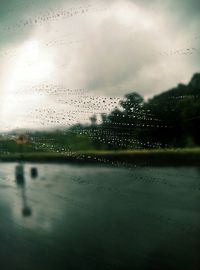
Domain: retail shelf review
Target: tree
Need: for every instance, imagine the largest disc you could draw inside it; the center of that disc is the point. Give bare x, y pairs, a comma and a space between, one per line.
132, 103
93, 120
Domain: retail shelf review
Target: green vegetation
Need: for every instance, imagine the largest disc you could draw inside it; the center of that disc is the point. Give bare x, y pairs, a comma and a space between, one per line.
170, 120
159, 157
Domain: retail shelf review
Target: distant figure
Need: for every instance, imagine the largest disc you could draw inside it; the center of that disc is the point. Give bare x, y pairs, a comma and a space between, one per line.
20, 180
19, 174
34, 172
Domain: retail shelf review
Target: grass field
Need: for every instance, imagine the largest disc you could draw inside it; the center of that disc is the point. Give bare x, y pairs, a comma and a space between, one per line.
185, 156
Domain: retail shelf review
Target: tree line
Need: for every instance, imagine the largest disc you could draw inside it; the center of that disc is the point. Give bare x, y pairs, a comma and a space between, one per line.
170, 119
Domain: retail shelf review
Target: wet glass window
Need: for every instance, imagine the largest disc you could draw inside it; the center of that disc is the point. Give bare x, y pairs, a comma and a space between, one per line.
99, 134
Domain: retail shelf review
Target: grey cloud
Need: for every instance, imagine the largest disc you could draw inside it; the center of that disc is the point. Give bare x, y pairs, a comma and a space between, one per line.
116, 61
107, 52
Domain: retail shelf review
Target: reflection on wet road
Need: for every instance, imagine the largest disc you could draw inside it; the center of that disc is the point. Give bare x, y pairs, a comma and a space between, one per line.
94, 217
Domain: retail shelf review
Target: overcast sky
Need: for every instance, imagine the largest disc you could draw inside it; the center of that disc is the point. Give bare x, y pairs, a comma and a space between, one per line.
57, 57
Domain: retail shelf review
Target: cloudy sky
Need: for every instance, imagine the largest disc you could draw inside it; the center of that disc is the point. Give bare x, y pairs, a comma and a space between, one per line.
62, 60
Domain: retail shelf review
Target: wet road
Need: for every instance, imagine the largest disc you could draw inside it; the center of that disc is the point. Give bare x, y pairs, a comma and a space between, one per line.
96, 218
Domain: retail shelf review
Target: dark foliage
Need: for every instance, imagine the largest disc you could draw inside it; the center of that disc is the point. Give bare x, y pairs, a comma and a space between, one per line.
171, 119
